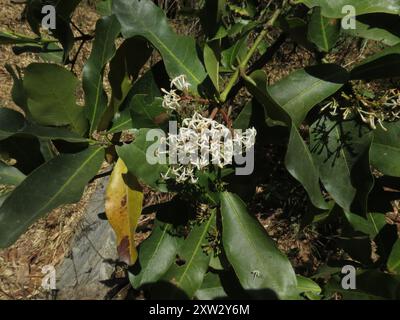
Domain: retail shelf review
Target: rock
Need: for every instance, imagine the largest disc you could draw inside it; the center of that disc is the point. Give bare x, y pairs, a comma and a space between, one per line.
91, 263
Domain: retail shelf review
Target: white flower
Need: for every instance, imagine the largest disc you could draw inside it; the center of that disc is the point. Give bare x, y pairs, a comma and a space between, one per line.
180, 83
198, 139
171, 99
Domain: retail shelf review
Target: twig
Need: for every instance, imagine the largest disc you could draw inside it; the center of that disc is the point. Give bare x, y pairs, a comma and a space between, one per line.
263, 60
101, 175
213, 113
75, 58
6, 294
227, 120
196, 99
249, 55
77, 28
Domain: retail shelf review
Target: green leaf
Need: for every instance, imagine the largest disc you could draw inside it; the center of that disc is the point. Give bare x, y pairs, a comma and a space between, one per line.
257, 261
379, 284
51, 133
299, 92
12, 38
63, 32
122, 121
240, 28
371, 285
378, 27
211, 288
385, 149
145, 115
211, 62
189, 276
393, 263
51, 53
341, 151
125, 66
51, 97
156, 254
333, 9
242, 121
127, 62
297, 29
47, 149
134, 156
103, 7
59, 181
147, 85
323, 32
211, 15
25, 151
302, 167
144, 18
231, 56
298, 159
371, 226
18, 93
10, 175
308, 287
14, 123
107, 29
64, 11
11, 122
383, 65
33, 12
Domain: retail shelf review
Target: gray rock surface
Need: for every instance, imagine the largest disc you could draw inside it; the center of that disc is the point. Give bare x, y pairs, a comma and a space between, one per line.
93, 251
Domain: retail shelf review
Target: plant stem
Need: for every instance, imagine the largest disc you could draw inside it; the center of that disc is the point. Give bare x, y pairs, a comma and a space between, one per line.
28, 38
267, 56
249, 55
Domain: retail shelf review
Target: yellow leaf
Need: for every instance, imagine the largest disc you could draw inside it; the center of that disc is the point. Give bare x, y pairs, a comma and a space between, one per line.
124, 199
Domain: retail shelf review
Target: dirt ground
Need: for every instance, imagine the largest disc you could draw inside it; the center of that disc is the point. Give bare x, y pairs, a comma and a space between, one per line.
47, 241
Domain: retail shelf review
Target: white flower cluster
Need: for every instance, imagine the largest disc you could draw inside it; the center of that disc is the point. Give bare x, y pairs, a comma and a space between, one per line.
345, 112
207, 137
171, 99
386, 109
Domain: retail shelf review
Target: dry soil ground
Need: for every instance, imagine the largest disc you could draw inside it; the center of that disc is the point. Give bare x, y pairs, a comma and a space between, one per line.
47, 241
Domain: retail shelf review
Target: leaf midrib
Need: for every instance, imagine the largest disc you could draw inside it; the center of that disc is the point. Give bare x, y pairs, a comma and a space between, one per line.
231, 205
99, 87
69, 180
161, 43
155, 251
194, 253
324, 35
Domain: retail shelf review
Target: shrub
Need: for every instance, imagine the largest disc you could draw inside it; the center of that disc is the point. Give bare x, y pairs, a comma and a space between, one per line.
337, 124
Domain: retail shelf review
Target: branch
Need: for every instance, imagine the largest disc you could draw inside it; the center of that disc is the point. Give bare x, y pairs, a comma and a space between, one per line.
262, 61
249, 55
101, 175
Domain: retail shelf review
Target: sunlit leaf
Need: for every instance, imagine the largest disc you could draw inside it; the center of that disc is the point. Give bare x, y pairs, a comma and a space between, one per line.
144, 18
107, 29
50, 90
59, 181
257, 261
123, 203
